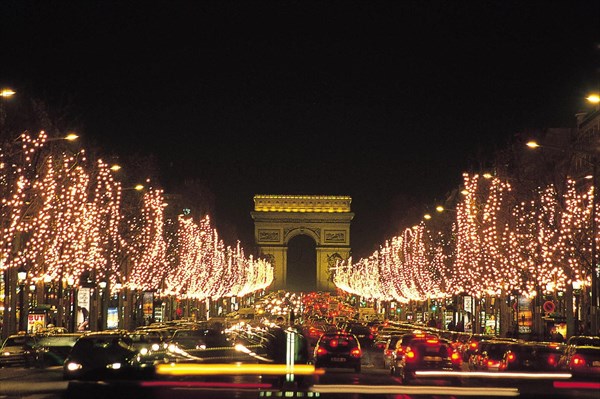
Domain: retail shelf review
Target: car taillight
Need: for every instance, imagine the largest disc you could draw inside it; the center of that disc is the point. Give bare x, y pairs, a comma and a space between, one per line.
333, 343
355, 352
410, 355
577, 361
551, 360
473, 345
511, 357
321, 351
370, 336
455, 357
432, 341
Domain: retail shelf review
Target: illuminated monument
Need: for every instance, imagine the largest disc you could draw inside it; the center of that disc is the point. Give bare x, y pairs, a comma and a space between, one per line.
325, 219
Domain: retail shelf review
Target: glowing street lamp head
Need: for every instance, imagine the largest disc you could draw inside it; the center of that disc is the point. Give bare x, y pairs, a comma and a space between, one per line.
7, 93
532, 144
115, 167
71, 137
139, 187
427, 216
439, 208
593, 98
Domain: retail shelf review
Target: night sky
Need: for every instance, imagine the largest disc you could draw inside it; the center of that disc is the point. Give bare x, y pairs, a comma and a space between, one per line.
385, 101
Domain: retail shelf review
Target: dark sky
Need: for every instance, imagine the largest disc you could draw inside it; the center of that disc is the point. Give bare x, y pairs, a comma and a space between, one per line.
385, 101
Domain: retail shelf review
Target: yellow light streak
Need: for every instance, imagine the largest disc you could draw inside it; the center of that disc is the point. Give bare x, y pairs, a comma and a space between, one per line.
189, 369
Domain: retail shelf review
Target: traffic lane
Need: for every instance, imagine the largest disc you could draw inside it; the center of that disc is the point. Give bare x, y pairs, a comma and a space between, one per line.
19, 382
22, 383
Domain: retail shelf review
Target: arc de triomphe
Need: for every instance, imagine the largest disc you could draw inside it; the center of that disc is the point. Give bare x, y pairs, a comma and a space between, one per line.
325, 219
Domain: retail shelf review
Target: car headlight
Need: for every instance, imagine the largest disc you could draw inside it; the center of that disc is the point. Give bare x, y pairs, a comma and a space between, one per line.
155, 347
72, 366
114, 366
144, 351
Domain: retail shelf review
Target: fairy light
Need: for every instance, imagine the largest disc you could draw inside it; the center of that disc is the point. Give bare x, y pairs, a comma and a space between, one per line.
147, 247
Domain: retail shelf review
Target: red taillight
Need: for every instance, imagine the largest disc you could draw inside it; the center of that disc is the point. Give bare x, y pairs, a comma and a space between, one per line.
455, 357
355, 352
432, 341
370, 336
577, 361
473, 345
511, 357
321, 351
409, 354
333, 343
551, 360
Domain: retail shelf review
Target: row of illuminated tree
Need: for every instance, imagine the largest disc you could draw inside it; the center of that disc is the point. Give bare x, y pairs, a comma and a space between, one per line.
498, 239
65, 216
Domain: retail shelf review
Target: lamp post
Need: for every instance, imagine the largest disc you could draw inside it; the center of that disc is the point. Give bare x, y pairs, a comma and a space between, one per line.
72, 309
21, 278
103, 308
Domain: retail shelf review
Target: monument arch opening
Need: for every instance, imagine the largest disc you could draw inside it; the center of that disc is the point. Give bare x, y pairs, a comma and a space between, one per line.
281, 220
301, 264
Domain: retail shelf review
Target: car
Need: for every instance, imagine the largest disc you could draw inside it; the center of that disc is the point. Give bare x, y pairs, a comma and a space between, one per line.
388, 350
338, 350
403, 343
101, 355
425, 353
531, 356
472, 345
581, 357
491, 354
363, 333
19, 350
53, 349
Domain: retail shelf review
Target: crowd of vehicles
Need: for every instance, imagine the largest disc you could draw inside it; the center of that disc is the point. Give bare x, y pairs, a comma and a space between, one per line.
404, 351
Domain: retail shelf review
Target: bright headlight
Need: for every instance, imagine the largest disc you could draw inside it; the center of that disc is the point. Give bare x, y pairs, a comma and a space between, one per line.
114, 366
73, 366
144, 351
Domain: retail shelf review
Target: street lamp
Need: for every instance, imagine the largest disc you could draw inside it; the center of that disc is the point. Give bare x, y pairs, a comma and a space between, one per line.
21, 278
7, 93
68, 137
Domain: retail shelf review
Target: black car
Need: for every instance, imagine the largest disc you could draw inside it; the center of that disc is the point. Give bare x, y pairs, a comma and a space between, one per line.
532, 356
53, 349
101, 355
363, 333
338, 350
421, 354
19, 350
582, 357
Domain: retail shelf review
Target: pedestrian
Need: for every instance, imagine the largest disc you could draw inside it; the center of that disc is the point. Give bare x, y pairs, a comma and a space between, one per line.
451, 326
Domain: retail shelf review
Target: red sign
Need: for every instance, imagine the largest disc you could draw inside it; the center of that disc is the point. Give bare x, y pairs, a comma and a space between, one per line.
36, 322
549, 306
